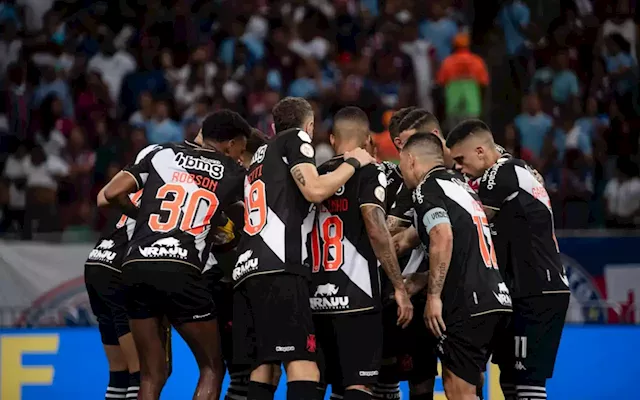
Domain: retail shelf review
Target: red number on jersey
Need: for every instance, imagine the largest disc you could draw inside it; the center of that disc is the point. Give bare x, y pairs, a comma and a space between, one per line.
487, 250
332, 248
135, 199
255, 208
191, 221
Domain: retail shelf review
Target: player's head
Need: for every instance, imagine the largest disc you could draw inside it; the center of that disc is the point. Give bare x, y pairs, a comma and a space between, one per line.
256, 140
396, 118
472, 147
293, 112
422, 152
226, 131
350, 129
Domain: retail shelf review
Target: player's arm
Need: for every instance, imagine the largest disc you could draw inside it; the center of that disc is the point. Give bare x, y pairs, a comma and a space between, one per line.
406, 240
317, 188
117, 191
399, 217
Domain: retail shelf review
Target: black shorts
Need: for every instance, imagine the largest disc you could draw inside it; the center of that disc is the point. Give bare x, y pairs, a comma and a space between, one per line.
223, 299
536, 328
350, 348
465, 345
155, 289
271, 314
106, 295
408, 354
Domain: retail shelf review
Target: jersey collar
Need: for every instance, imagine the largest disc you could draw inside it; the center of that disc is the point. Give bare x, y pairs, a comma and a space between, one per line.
431, 171
195, 145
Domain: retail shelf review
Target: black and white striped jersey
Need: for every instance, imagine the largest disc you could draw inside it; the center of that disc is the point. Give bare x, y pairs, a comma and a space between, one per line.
278, 218
394, 182
526, 244
185, 189
345, 274
473, 285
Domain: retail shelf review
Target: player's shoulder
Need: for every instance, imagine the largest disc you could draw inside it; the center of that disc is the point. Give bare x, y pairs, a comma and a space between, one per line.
292, 134
390, 169
373, 171
330, 165
502, 166
148, 151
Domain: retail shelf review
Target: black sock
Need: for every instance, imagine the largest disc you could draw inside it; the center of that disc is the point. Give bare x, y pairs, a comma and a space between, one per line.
118, 383
356, 394
387, 391
536, 391
134, 385
260, 391
421, 396
303, 390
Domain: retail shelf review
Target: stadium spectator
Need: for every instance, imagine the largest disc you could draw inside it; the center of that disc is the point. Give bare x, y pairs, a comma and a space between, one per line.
439, 29
622, 196
163, 128
533, 125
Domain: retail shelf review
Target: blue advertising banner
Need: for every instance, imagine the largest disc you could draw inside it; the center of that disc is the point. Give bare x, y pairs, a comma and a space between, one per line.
594, 363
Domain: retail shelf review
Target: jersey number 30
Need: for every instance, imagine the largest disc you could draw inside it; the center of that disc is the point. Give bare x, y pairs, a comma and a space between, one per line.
184, 210
331, 255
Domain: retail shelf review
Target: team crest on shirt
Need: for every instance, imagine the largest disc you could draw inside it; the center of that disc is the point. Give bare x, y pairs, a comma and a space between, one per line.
304, 136
165, 247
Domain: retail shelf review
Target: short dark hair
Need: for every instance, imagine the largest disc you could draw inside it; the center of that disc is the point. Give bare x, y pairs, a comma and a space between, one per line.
256, 139
411, 119
395, 120
291, 112
464, 129
351, 113
427, 122
425, 140
224, 125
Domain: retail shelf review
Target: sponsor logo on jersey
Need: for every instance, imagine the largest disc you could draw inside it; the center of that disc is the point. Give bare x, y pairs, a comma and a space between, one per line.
244, 265
340, 191
325, 298
259, 154
214, 168
503, 296
417, 195
165, 247
490, 174
102, 253
307, 150
519, 366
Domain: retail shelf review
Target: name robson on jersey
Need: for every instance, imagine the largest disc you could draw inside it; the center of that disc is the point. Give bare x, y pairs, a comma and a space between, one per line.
325, 298
214, 168
102, 251
165, 247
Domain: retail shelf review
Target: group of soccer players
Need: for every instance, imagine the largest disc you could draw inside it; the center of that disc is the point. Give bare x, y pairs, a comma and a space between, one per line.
258, 258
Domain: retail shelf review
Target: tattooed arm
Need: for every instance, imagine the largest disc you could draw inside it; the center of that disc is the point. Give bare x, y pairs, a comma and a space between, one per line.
383, 247
396, 225
440, 250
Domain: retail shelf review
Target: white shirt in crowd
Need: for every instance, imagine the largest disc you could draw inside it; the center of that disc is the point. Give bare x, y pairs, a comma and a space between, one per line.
317, 48
627, 30
10, 52
34, 12
418, 50
46, 174
113, 69
14, 169
623, 198
54, 145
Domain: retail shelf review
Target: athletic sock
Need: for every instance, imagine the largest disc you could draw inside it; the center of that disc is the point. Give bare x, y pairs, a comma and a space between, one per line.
356, 394
303, 390
118, 383
238, 386
531, 392
134, 385
260, 391
508, 390
386, 391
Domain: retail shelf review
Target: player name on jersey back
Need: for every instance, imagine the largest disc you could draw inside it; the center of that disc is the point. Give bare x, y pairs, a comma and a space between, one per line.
278, 218
526, 246
345, 275
185, 188
473, 285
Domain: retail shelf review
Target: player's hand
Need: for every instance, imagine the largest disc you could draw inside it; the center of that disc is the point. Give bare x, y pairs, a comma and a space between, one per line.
405, 307
433, 315
402, 243
361, 155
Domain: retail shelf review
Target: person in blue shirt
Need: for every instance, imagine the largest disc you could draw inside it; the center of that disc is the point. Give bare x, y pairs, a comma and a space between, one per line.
533, 125
592, 121
620, 64
163, 129
514, 18
51, 84
565, 87
439, 30
569, 136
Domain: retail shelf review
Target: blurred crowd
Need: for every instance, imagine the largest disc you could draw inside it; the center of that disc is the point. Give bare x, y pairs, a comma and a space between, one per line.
86, 84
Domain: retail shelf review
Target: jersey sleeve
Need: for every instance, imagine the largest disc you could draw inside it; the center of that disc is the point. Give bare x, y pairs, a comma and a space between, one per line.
139, 170
298, 149
497, 184
402, 208
431, 211
373, 187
